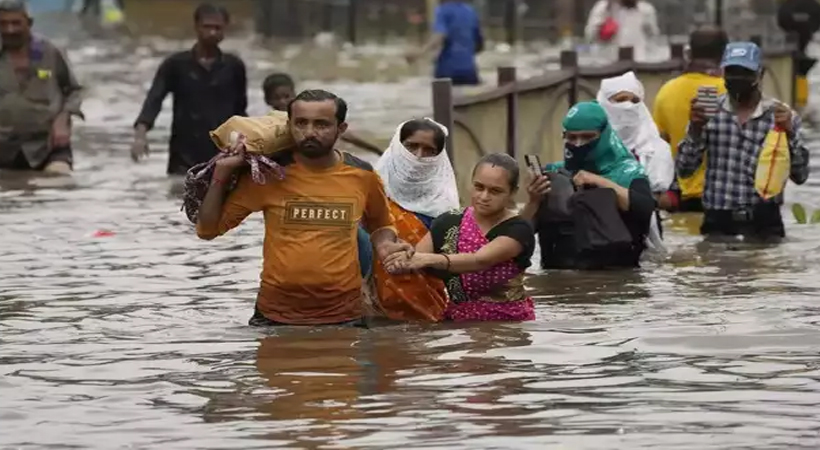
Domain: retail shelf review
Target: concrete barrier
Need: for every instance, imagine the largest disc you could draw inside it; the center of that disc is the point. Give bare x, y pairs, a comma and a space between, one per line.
524, 116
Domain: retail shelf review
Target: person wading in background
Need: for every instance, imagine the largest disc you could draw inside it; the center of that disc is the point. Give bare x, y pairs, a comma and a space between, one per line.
672, 107
734, 138
457, 33
623, 23
38, 96
208, 86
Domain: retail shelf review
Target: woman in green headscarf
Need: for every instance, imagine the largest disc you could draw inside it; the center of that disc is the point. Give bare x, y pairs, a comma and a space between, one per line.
594, 157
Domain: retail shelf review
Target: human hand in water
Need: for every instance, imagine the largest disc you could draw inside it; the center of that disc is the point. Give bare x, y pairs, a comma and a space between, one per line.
139, 149
537, 188
234, 158
60, 132
584, 178
783, 117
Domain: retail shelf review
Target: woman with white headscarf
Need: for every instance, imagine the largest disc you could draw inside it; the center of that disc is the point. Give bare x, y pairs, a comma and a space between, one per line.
420, 183
622, 98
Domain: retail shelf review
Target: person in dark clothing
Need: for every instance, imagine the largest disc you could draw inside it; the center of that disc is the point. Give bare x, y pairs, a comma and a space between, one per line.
208, 87
801, 17
609, 214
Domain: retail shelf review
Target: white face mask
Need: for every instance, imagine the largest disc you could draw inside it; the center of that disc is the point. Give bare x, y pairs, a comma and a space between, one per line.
625, 118
424, 185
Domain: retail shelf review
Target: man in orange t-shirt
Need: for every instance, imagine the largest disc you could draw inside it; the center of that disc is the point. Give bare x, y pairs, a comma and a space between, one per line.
311, 273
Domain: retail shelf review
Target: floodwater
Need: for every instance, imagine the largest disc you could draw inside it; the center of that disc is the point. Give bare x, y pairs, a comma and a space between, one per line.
136, 338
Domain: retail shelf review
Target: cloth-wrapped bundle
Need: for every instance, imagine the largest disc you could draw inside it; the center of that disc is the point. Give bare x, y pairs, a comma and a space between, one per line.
264, 135
266, 139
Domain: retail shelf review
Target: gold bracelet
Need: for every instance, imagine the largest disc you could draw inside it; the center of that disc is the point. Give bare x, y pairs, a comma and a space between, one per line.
447, 269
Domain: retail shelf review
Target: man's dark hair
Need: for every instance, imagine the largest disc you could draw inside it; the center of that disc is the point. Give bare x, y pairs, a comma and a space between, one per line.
18, 6
320, 95
276, 80
504, 161
209, 9
708, 42
412, 126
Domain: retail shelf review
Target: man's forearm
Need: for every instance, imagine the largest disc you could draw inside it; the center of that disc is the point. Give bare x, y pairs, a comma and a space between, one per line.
690, 153
621, 193
382, 237
210, 212
63, 118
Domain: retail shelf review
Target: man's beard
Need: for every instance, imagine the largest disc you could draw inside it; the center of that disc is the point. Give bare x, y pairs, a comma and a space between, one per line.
13, 41
313, 149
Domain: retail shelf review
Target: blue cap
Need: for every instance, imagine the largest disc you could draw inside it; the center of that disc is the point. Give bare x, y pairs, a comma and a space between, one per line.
742, 54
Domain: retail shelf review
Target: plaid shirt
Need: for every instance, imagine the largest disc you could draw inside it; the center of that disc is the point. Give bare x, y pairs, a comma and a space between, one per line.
733, 151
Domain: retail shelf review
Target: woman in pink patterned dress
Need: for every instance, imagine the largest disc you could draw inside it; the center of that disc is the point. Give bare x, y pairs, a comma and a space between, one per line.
483, 251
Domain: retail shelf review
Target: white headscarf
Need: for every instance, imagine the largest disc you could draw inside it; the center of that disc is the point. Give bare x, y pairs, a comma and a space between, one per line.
637, 130
421, 185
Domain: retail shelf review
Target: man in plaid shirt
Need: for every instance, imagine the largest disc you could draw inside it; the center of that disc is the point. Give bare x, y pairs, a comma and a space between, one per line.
733, 138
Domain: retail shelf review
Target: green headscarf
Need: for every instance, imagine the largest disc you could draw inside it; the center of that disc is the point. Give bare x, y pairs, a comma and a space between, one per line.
608, 156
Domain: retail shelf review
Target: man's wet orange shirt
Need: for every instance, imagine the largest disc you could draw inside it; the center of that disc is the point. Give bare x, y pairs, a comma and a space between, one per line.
310, 272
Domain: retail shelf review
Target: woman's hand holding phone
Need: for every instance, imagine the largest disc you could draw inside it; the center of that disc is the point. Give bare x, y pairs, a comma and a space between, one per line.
539, 184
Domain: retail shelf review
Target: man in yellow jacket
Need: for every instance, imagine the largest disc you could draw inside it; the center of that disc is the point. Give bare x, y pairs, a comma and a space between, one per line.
673, 103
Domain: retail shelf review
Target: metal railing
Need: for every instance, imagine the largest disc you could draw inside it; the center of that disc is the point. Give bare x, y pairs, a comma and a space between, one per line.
510, 20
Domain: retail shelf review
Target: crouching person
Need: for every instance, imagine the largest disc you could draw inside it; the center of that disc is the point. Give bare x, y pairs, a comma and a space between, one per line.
593, 210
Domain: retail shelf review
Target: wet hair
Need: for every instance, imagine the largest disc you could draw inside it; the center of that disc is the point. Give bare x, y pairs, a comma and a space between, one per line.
412, 126
276, 80
504, 161
320, 95
18, 6
708, 42
208, 9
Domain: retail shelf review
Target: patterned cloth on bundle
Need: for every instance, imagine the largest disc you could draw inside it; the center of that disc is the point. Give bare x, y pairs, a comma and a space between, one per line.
198, 179
266, 140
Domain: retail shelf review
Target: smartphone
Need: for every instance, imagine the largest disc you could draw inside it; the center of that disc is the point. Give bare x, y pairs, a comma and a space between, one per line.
707, 99
534, 164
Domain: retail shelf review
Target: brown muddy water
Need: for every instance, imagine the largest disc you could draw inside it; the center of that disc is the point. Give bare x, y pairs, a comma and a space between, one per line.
139, 339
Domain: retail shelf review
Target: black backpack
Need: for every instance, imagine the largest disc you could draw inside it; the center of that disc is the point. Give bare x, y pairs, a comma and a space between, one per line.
597, 222
555, 206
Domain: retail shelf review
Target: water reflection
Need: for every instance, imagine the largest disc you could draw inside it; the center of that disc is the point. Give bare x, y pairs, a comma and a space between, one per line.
136, 337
